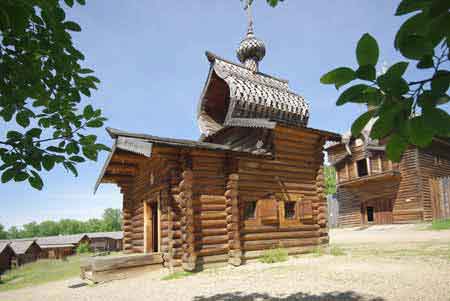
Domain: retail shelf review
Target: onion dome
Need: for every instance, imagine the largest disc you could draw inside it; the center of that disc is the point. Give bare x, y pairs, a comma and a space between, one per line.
251, 50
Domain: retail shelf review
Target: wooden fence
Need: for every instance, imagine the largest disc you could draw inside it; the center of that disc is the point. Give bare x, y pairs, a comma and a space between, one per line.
440, 197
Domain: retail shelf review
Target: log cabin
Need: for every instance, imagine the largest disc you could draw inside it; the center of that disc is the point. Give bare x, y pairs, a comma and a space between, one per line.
60, 246
6, 256
26, 251
105, 241
253, 181
371, 189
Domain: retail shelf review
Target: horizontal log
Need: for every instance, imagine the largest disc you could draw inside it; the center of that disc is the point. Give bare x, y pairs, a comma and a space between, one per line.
279, 235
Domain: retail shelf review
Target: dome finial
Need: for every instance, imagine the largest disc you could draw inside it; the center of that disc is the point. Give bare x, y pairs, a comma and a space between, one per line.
251, 50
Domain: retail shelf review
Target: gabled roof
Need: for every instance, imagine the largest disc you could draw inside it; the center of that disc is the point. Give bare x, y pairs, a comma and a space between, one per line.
113, 235
4, 244
21, 246
60, 240
247, 94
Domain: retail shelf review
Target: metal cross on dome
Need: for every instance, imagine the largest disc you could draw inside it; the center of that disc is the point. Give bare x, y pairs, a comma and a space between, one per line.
248, 9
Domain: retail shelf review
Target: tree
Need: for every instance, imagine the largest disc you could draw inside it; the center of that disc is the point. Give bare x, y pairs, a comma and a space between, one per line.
41, 84
407, 112
94, 225
330, 179
112, 219
3, 233
30, 230
49, 228
14, 232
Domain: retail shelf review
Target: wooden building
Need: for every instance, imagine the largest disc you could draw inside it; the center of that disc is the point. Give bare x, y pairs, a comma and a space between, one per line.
105, 241
373, 190
254, 181
61, 246
6, 256
26, 250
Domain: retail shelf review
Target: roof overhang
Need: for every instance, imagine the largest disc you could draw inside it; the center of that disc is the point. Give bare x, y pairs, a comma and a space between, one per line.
381, 177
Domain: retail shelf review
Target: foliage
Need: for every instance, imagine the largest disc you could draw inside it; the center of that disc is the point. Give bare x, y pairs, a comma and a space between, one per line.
41, 88
442, 224
274, 255
330, 180
272, 3
111, 221
3, 233
41, 271
177, 275
407, 112
83, 248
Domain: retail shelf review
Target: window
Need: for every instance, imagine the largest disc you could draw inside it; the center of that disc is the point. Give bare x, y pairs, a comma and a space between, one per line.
250, 210
289, 210
152, 178
362, 168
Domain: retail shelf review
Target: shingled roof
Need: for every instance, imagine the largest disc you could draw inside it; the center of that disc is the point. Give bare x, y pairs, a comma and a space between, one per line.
235, 91
60, 240
21, 246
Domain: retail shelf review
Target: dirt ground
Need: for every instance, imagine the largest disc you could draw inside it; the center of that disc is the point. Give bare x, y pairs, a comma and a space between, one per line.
379, 263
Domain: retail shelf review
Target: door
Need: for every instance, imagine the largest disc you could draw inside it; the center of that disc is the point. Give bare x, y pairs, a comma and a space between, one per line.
376, 212
151, 243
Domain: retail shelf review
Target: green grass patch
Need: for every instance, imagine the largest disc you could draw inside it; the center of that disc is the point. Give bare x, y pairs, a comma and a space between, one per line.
274, 255
41, 271
442, 224
336, 251
177, 275
318, 251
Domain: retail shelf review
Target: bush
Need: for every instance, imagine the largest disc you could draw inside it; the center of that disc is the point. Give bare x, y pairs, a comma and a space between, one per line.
442, 224
274, 255
83, 248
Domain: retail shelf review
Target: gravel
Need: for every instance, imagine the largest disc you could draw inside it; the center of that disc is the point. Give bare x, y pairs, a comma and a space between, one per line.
307, 277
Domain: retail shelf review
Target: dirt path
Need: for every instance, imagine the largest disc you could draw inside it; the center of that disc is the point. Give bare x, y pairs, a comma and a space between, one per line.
359, 276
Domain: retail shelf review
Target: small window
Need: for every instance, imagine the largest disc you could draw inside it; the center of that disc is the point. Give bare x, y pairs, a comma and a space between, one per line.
250, 210
362, 168
289, 210
152, 178
370, 218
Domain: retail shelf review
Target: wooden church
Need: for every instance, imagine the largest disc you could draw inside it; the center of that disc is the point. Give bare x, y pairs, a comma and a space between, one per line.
254, 180
371, 189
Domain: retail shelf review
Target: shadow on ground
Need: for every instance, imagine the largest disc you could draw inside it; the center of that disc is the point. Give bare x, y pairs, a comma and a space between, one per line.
240, 296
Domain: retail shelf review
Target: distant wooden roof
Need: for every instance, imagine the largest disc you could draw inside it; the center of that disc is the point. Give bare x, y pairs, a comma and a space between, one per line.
21, 246
60, 240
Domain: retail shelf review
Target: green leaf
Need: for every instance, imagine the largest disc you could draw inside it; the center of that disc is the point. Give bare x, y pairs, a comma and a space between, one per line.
415, 47
420, 133
88, 112
386, 121
14, 135
409, 6
438, 120
77, 159
34, 132
81, 2
89, 139
23, 119
361, 122
86, 71
8, 175
90, 152
69, 2
426, 62
35, 181
72, 148
48, 162
352, 94
338, 77
416, 25
392, 85
69, 166
440, 83
21, 176
366, 72
367, 50
397, 70
395, 147
69, 25
94, 123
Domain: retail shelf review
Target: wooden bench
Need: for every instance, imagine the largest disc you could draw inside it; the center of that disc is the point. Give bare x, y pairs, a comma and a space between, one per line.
102, 269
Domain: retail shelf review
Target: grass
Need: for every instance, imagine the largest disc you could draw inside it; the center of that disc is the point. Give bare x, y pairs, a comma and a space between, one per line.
41, 271
274, 255
336, 251
443, 224
177, 275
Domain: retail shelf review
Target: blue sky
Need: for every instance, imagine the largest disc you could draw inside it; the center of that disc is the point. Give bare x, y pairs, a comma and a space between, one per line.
150, 58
